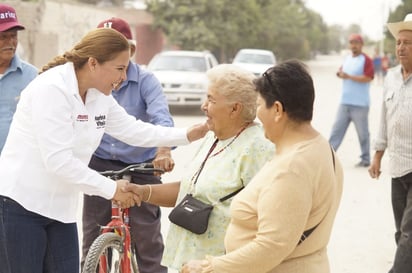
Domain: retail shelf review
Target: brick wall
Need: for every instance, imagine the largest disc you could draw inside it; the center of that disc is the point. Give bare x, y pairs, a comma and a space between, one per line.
149, 42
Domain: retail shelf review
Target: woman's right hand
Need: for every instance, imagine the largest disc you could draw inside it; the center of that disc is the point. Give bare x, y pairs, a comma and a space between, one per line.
140, 192
123, 198
197, 131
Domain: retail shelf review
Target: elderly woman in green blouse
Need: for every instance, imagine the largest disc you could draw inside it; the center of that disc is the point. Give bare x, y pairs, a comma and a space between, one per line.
237, 149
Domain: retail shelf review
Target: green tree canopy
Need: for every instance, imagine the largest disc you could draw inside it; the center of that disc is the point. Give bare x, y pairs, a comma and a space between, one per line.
286, 27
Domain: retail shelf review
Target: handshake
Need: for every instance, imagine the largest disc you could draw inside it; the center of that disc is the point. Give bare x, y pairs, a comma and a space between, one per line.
128, 194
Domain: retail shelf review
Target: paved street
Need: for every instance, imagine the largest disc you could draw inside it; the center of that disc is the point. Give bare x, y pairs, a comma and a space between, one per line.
362, 239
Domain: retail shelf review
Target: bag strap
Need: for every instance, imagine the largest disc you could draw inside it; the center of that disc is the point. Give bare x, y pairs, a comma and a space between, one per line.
307, 232
204, 162
209, 154
231, 194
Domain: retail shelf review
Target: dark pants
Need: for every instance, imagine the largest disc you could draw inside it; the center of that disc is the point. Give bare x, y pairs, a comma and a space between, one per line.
33, 243
144, 221
402, 211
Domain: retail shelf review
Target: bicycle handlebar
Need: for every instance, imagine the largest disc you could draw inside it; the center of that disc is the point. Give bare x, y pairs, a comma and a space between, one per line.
143, 168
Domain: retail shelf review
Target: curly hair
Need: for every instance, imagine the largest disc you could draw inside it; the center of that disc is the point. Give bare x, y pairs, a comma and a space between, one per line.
236, 85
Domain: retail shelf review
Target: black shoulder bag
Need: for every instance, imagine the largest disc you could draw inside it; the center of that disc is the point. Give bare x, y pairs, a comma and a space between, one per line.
193, 214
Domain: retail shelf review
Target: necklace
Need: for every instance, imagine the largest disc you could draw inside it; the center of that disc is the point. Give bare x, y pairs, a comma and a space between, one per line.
227, 145
196, 174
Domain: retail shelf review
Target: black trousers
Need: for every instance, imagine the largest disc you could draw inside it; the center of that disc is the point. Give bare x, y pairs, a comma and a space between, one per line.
145, 225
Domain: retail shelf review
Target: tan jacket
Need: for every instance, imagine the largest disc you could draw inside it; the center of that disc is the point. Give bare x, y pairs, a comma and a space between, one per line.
290, 194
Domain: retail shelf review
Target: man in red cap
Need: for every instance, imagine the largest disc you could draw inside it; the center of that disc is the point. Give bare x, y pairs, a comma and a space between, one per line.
142, 96
15, 73
357, 73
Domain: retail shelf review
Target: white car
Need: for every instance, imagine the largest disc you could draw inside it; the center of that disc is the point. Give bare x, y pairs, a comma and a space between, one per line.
183, 75
255, 60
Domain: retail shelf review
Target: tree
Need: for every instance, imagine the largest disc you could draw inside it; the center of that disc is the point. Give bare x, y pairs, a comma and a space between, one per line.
396, 15
286, 27
216, 25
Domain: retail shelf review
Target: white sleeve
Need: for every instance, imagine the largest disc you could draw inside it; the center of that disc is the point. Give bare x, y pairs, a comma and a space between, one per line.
134, 132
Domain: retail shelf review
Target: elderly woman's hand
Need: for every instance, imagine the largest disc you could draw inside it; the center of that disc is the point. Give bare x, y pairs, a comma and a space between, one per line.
124, 199
194, 266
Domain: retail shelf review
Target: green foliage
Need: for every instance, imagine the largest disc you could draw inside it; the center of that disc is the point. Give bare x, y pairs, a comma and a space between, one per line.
396, 15
286, 27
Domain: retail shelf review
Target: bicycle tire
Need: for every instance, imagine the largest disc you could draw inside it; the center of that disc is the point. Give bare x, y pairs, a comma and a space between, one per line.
110, 246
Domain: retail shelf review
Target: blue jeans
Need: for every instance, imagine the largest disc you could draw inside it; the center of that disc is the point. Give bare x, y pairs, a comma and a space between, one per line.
402, 211
359, 116
33, 243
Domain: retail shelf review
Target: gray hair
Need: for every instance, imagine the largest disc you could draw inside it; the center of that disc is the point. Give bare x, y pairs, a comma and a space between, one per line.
236, 85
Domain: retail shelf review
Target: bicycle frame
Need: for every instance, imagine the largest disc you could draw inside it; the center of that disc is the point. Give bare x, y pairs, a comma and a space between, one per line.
120, 225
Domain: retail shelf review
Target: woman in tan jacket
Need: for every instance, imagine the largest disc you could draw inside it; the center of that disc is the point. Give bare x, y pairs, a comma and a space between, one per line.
282, 221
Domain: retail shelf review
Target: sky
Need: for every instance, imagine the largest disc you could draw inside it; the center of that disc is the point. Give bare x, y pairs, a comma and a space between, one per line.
371, 15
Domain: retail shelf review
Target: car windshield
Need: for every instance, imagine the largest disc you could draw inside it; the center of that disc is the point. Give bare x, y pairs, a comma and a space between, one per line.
179, 63
254, 58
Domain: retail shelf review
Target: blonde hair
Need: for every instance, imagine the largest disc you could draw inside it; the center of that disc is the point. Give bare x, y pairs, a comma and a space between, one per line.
103, 44
236, 85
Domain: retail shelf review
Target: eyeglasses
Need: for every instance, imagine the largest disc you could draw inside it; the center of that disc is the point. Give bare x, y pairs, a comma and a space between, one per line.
274, 90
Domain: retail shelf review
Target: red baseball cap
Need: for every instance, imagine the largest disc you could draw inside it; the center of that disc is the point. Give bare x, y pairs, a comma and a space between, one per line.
118, 24
8, 18
355, 37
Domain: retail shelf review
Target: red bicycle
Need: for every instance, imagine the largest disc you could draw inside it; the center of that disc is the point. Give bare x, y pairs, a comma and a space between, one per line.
112, 251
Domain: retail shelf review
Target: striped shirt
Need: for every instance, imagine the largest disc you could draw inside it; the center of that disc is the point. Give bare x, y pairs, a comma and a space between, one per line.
395, 129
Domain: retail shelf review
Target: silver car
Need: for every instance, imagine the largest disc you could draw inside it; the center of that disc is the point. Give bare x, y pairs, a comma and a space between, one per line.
183, 75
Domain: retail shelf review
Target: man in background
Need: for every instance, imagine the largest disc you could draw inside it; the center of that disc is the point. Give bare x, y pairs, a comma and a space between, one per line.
394, 136
142, 96
357, 73
15, 73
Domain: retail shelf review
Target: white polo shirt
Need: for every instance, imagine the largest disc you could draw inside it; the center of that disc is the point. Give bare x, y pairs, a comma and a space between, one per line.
43, 165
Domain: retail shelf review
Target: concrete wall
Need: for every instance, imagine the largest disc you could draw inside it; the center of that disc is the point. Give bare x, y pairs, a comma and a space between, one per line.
53, 27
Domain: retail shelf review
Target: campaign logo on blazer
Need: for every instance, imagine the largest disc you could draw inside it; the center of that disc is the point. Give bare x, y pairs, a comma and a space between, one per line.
100, 121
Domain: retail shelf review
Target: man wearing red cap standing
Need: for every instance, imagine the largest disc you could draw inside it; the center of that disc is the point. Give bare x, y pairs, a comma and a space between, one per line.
142, 96
357, 73
15, 74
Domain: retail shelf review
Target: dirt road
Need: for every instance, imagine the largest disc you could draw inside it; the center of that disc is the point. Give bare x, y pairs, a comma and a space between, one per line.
362, 239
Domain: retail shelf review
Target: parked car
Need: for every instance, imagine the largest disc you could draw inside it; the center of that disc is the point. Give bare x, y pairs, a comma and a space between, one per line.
255, 60
183, 75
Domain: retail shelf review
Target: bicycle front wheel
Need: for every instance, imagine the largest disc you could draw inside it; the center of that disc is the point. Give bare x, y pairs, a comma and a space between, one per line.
105, 255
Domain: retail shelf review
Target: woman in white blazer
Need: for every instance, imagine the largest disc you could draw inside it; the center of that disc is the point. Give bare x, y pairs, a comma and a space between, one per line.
60, 120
